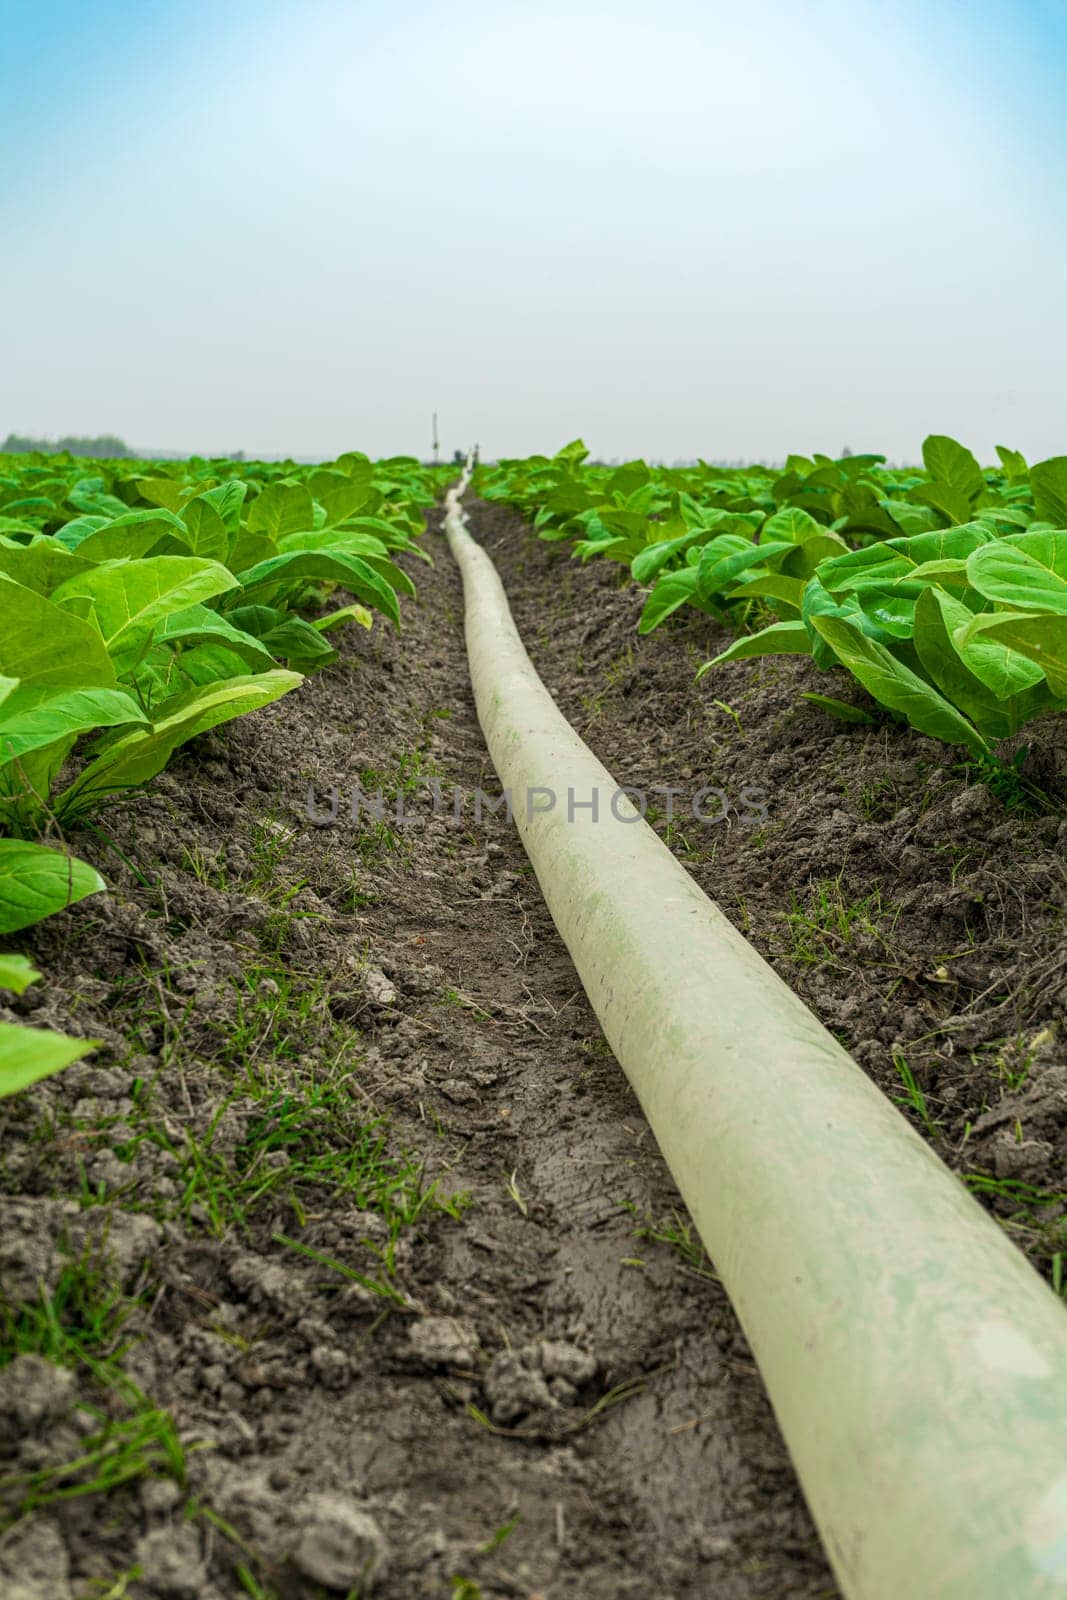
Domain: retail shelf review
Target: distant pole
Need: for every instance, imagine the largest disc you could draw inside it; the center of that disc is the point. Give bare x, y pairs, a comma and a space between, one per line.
436, 446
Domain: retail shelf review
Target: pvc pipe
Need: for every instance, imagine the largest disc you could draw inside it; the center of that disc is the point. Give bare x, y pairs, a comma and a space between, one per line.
916, 1364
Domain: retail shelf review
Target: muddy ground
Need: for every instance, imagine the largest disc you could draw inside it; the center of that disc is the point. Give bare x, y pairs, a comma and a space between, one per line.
505, 1368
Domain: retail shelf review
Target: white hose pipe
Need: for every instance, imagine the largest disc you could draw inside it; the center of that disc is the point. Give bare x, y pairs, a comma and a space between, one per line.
915, 1362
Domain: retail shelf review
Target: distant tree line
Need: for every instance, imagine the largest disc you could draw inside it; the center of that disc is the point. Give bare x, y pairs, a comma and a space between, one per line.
17, 444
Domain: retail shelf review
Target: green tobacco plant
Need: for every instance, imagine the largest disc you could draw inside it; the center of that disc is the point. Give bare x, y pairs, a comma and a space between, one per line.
143, 605
942, 590
962, 632
136, 756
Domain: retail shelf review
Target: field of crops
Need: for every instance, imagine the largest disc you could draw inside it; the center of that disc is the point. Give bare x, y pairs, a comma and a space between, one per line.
942, 591
141, 611
337, 1255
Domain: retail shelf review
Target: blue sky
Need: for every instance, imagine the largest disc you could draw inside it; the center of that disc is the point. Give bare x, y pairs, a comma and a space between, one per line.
687, 229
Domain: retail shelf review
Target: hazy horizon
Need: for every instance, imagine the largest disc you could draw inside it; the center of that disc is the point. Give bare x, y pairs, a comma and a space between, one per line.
136, 452
300, 229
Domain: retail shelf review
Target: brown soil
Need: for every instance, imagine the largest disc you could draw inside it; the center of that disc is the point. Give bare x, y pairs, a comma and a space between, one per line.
545, 1400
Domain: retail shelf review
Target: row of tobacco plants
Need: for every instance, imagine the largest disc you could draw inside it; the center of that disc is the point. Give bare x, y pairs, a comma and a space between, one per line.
942, 590
143, 604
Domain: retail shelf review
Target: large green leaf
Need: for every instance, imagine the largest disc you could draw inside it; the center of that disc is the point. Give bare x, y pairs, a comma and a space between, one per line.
71, 534
282, 508
1048, 479
131, 598
206, 534
951, 501
139, 755
805, 559
631, 524
164, 676
247, 548
130, 537
342, 541
792, 525
1023, 579
672, 590
290, 638
339, 495
33, 507
355, 465
200, 625
780, 639
88, 496
1003, 671
394, 576
41, 642
165, 492
951, 463
1047, 546
1042, 639
720, 567
300, 645
226, 500
1004, 519
890, 610
40, 714
911, 518
948, 574
936, 615
29, 1054
650, 561
817, 601
896, 687
35, 882
1014, 464
41, 566
611, 549
335, 566
770, 586
350, 539
879, 565
258, 620
392, 536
